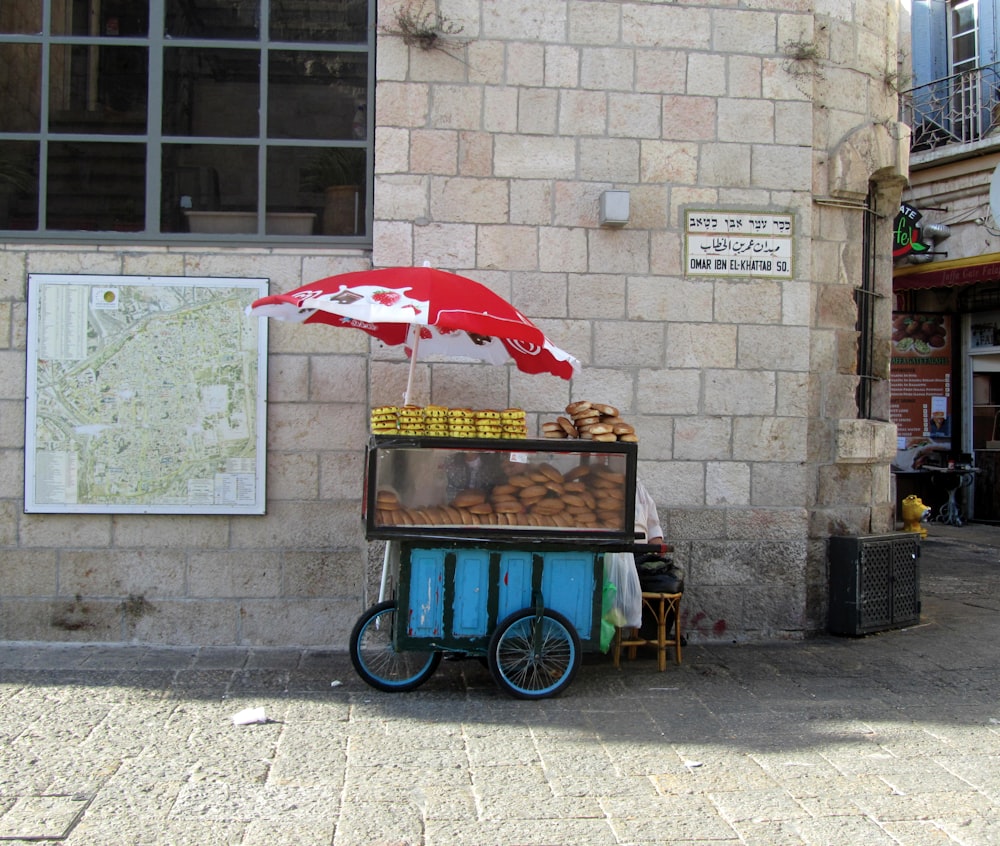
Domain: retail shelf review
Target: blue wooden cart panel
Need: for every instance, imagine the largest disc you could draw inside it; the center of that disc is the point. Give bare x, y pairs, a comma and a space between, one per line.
456, 596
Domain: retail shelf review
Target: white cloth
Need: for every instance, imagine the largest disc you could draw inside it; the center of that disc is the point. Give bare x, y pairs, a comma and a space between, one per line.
647, 521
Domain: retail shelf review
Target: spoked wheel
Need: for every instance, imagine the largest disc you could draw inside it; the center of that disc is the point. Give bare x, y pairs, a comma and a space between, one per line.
533, 655
376, 659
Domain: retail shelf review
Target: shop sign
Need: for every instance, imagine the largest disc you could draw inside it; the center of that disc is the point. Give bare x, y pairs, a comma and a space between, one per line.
738, 243
920, 386
906, 237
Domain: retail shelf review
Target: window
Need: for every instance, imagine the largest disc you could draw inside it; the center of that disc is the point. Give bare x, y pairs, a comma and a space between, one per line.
963, 35
186, 119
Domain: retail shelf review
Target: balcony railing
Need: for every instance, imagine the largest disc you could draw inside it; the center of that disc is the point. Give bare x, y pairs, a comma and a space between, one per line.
959, 109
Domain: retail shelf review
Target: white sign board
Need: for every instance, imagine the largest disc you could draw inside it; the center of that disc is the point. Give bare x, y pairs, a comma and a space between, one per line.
145, 395
738, 243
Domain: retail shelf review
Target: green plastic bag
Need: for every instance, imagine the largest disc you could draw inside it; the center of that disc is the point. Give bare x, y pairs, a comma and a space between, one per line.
608, 614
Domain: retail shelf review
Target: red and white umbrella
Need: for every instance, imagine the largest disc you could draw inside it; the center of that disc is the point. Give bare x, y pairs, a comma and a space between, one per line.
424, 308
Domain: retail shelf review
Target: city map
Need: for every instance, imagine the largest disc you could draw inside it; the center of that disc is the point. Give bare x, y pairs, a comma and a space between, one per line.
145, 395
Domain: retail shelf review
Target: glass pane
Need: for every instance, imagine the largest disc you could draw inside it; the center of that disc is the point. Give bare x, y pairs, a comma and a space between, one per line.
317, 95
326, 184
964, 48
308, 20
95, 186
18, 185
211, 92
98, 89
20, 87
126, 18
213, 19
21, 16
209, 188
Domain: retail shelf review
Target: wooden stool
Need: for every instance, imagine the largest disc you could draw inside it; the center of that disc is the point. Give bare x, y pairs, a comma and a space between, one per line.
660, 605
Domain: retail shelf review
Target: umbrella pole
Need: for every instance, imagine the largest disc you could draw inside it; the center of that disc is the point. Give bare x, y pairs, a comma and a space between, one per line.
413, 364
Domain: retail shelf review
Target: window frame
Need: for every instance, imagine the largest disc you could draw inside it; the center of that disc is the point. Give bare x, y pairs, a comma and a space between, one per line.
155, 140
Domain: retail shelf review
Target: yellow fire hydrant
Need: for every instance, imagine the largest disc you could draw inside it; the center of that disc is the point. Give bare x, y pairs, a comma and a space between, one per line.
914, 513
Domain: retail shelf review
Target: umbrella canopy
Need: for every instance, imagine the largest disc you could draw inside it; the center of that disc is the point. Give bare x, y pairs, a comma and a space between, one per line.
422, 307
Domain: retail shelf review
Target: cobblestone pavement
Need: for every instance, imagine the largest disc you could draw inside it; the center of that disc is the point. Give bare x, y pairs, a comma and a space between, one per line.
889, 739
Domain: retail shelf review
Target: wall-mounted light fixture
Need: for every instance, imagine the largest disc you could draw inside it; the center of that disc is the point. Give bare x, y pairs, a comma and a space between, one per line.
614, 209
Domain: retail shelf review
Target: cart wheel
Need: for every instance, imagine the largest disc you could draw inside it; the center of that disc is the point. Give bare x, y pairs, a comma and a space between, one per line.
375, 658
533, 656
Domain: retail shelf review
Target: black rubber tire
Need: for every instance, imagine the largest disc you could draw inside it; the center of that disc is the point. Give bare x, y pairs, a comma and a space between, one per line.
375, 657
529, 673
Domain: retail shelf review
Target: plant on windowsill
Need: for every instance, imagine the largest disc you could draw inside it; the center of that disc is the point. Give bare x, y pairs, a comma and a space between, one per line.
338, 172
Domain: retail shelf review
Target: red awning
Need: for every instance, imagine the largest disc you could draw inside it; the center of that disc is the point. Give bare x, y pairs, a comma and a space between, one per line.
947, 274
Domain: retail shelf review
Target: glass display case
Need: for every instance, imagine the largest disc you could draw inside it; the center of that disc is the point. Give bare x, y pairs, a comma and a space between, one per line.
421, 487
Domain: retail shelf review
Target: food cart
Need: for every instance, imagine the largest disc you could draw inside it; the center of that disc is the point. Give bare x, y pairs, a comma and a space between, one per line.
496, 550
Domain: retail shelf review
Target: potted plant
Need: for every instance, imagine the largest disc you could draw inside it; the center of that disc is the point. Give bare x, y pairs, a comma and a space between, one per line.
339, 172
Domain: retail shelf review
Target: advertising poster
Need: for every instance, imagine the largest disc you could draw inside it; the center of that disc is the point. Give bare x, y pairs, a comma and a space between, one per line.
920, 381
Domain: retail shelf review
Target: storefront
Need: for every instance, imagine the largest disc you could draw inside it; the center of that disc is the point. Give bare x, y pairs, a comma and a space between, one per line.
946, 384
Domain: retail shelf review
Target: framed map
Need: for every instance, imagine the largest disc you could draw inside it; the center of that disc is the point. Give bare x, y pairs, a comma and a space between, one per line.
145, 395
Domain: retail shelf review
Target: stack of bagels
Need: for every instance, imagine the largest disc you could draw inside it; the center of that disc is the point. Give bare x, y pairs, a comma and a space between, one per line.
594, 421
586, 497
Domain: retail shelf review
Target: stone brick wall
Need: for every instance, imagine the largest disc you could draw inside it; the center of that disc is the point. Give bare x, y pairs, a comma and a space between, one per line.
491, 155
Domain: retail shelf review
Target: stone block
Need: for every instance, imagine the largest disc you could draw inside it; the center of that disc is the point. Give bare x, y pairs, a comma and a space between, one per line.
781, 484
562, 250
184, 623
724, 165
299, 622
618, 251
702, 438
403, 196
770, 439
675, 299
774, 347
227, 574
28, 573
446, 245
596, 296
292, 475
727, 483
746, 121
143, 572
562, 66
701, 345
669, 391
455, 107
287, 378
544, 294
634, 115
403, 104
336, 573
433, 151
537, 110
740, 392
500, 110
669, 161
680, 485
865, 441
464, 200
607, 69
12, 424
609, 160
475, 153
689, 521
706, 75
11, 473
341, 474
294, 427
687, 118
745, 302
508, 247
12, 375
292, 526
782, 167
14, 274
531, 202
58, 531
673, 27
594, 23
621, 344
